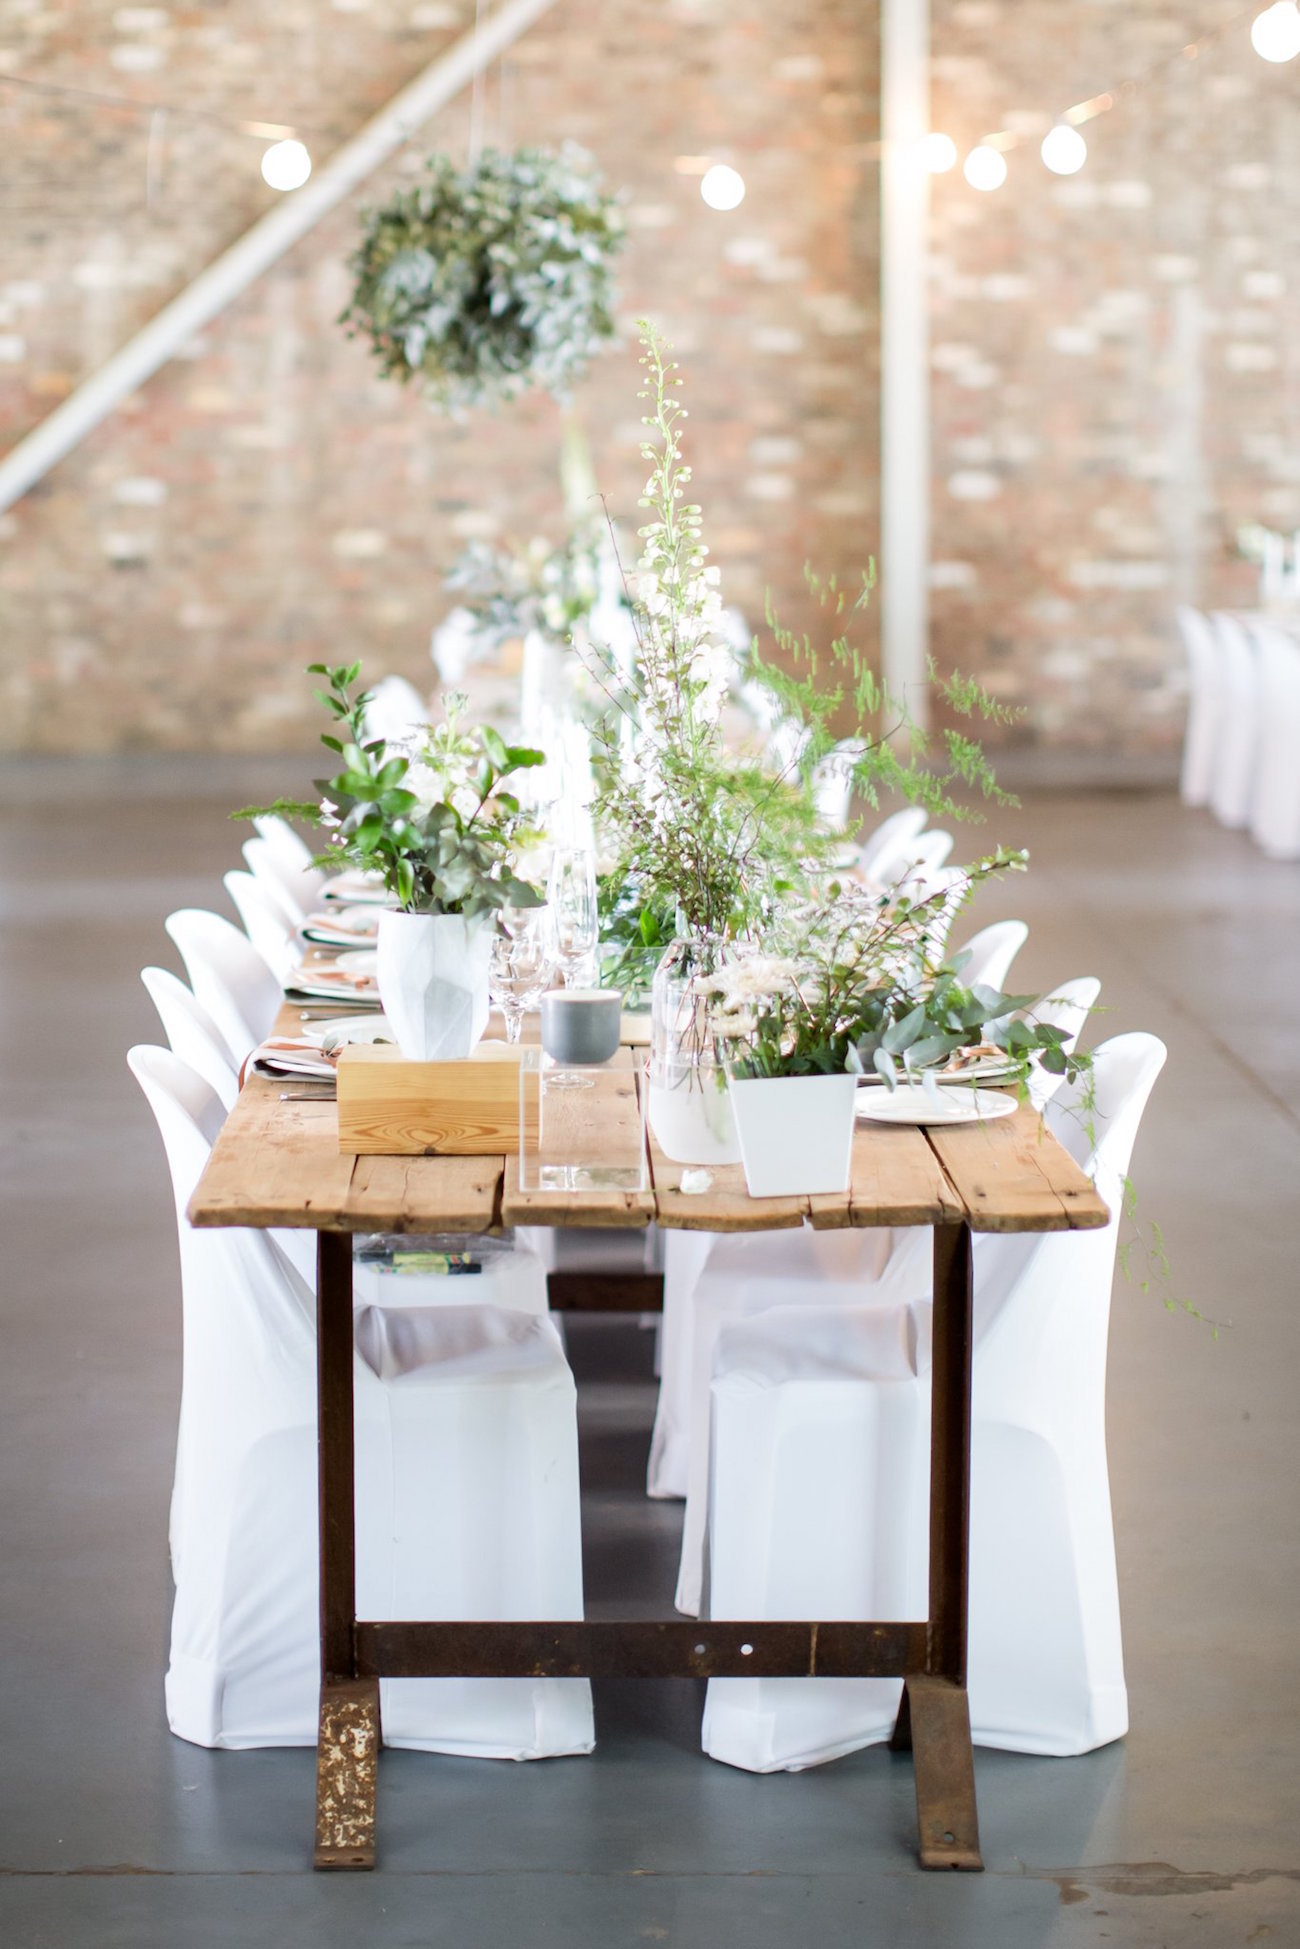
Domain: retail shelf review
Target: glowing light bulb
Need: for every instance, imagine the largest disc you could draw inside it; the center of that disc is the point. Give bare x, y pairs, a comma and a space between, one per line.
1064, 150
1275, 34
722, 187
938, 152
286, 165
985, 167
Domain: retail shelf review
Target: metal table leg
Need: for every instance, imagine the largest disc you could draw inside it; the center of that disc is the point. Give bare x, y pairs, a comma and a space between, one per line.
347, 1754
934, 1718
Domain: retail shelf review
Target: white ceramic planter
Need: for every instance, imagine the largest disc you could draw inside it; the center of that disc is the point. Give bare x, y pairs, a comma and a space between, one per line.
689, 1111
796, 1133
433, 982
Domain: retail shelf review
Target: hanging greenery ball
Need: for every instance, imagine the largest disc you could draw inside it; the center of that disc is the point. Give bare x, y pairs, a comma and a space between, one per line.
481, 282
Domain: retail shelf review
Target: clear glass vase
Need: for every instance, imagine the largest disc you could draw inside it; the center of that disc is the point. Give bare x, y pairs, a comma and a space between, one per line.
689, 1108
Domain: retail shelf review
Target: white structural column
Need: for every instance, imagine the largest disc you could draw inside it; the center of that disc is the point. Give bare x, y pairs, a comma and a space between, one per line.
269, 238
904, 349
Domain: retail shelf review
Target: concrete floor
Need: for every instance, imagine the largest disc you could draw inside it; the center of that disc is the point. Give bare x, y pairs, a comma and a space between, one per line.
112, 1832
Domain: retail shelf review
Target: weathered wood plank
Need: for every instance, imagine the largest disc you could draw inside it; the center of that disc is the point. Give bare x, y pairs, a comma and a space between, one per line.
275, 1164
425, 1194
1013, 1176
896, 1180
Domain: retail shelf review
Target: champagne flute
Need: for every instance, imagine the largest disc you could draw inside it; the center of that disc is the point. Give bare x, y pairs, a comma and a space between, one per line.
573, 910
521, 968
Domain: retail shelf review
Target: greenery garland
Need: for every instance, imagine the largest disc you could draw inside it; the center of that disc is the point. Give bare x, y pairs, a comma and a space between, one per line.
479, 283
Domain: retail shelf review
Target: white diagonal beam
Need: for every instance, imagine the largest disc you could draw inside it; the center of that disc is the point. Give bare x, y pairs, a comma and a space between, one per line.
270, 237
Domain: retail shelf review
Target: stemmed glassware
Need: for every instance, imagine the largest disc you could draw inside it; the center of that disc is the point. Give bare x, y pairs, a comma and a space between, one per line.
573, 910
522, 966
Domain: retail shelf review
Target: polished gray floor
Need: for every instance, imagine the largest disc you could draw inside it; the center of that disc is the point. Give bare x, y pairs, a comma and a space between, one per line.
112, 1832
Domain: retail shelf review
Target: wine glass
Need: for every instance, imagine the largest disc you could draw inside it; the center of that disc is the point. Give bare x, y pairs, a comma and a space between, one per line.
573, 910
521, 968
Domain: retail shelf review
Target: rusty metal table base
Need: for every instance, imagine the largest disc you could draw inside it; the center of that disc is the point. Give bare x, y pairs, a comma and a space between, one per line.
930, 1657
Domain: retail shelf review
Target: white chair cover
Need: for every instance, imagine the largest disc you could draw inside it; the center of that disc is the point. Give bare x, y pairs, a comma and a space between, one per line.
396, 711
191, 1033
1275, 804
1236, 748
820, 1477
285, 843
467, 1488
868, 1267
228, 975
268, 921
1204, 705
885, 850
297, 885
991, 953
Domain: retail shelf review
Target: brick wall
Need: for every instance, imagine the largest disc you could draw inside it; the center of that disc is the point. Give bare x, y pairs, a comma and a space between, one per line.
265, 500
1115, 353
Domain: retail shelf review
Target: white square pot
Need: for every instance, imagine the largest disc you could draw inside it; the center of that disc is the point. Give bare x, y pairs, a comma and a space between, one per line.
796, 1133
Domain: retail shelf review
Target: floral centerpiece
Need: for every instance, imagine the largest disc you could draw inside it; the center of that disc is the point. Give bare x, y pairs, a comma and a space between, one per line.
710, 838
441, 832
857, 991
481, 282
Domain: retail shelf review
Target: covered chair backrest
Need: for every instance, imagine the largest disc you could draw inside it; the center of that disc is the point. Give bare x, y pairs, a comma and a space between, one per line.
287, 845
924, 857
1237, 739
1275, 800
1065, 1008
1046, 1295
267, 921
232, 980
396, 711
991, 953
192, 1033
1205, 684
298, 889
188, 1112
887, 846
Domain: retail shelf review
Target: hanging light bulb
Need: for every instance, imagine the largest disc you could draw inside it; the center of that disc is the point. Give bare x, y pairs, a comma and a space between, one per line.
985, 167
722, 187
286, 165
1275, 34
938, 152
1064, 150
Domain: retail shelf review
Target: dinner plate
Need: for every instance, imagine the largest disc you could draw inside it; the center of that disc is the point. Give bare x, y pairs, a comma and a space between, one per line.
357, 961
945, 1105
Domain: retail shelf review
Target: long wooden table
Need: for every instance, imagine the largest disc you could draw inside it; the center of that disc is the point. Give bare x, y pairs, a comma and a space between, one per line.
277, 1163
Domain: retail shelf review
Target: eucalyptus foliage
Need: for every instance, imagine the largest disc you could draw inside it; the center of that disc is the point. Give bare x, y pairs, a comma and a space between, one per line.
478, 283
435, 825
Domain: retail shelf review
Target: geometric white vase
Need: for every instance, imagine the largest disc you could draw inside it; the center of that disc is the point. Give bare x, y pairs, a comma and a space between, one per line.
433, 982
796, 1133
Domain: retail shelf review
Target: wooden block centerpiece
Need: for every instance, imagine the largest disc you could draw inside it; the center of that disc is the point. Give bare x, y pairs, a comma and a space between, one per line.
394, 1108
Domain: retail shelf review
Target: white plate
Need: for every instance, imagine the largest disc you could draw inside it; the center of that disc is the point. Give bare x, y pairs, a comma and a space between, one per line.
357, 961
945, 1105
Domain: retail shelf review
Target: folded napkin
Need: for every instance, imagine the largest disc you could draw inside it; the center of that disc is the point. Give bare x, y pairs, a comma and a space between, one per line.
347, 927
323, 980
287, 1055
349, 888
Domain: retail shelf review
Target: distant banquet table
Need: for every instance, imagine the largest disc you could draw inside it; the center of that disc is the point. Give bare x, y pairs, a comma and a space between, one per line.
278, 1163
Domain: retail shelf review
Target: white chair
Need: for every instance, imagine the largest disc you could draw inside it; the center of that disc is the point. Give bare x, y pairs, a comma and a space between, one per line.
887, 847
820, 1468
1233, 777
288, 846
268, 922
924, 858
296, 888
991, 953
1275, 804
1204, 705
396, 712
233, 981
467, 1488
192, 1034
711, 1281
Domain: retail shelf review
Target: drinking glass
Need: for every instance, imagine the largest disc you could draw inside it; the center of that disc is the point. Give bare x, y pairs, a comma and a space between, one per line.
573, 910
521, 968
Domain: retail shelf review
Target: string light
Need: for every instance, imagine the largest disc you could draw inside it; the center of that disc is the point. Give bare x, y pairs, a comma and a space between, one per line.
286, 165
1275, 34
1064, 150
985, 167
722, 187
938, 153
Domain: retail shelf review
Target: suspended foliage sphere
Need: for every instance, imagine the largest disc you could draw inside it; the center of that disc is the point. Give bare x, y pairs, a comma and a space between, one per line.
481, 282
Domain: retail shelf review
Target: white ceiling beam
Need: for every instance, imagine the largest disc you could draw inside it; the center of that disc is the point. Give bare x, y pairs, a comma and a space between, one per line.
260, 247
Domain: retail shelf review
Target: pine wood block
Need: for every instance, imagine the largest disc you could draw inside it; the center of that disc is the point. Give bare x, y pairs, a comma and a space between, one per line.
393, 1108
